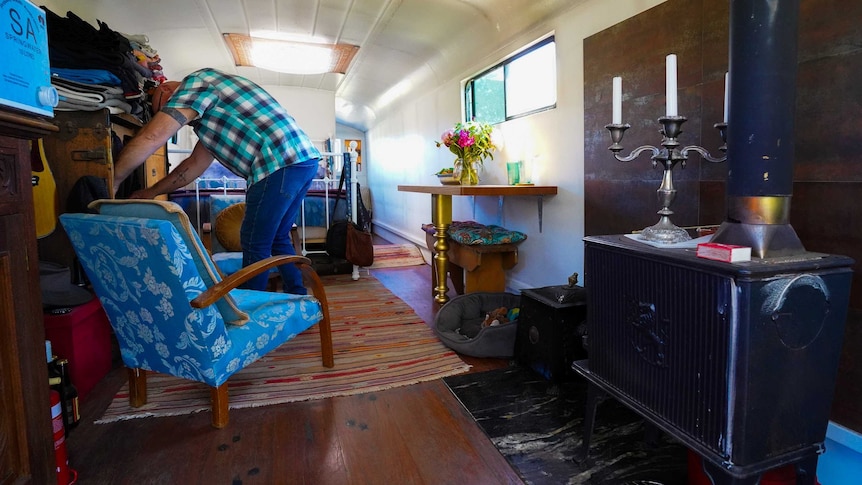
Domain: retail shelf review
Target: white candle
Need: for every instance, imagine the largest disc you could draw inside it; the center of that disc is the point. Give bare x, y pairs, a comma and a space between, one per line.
726, 91
670, 92
618, 101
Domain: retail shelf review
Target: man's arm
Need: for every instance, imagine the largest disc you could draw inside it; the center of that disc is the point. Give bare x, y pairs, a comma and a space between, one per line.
185, 173
151, 137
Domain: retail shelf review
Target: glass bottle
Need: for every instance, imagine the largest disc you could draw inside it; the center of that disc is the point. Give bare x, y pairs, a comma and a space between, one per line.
54, 379
69, 396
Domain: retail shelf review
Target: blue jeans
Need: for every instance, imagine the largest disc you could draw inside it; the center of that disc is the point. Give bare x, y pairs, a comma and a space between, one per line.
272, 206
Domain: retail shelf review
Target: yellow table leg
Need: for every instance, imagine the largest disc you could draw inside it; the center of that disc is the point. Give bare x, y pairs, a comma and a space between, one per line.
441, 217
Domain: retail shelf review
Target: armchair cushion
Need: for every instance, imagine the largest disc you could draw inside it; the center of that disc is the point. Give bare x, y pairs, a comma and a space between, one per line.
218, 203
227, 227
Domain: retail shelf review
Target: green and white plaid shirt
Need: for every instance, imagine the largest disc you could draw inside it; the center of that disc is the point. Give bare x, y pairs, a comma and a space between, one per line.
241, 124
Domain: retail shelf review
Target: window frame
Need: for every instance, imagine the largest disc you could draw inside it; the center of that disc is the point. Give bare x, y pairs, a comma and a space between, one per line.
468, 93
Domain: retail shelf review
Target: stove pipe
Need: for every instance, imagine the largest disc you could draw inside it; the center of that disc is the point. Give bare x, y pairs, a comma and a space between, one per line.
760, 138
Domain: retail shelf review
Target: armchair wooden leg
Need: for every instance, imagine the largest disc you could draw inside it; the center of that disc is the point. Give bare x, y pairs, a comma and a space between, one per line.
325, 329
137, 387
312, 280
219, 397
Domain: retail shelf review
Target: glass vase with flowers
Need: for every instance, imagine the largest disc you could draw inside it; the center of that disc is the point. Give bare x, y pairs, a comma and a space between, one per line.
471, 144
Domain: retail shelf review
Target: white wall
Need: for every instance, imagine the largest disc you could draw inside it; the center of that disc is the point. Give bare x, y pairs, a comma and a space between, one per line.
401, 151
313, 109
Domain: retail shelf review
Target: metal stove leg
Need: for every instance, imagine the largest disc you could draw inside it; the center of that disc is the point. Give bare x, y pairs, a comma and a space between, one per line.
806, 471
718, 476
594, 397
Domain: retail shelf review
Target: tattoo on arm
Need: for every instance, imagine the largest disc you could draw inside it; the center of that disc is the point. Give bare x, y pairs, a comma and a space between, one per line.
181, 177
175, 114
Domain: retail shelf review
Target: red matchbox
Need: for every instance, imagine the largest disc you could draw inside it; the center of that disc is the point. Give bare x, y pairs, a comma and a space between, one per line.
729, 253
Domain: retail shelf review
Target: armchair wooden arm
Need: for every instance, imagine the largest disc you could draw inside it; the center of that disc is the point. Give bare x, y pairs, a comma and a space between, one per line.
220, 289
309, 277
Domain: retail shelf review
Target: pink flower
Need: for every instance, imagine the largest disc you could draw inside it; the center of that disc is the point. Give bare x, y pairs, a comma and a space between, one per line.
469, 141
465, 139
447, 137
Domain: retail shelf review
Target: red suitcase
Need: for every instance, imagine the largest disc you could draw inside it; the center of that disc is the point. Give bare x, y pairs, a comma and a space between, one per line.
83, 337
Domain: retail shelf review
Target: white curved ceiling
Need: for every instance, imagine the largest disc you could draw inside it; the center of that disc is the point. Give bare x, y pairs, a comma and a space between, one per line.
420, 42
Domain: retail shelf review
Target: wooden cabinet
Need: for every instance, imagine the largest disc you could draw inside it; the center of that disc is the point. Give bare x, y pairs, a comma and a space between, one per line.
26, 442
86, 145
155, 169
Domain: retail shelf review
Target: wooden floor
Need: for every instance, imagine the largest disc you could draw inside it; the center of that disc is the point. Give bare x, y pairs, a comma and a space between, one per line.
417, 434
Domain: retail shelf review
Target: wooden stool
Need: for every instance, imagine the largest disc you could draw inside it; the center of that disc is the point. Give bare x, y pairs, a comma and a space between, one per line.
485, 265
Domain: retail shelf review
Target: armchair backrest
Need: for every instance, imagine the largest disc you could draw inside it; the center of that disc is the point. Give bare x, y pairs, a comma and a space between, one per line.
173, 213
144, 273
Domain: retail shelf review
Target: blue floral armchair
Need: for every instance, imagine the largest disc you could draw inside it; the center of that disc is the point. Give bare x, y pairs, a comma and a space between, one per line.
170, 309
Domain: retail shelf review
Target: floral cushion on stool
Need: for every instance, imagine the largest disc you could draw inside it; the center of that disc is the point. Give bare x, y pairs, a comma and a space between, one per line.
473, 233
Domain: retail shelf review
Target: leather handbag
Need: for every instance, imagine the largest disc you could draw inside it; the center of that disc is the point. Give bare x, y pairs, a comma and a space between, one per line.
360, 247
345, 239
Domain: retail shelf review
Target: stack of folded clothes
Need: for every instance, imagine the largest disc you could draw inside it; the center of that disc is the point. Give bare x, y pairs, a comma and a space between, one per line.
95, 68
77, 96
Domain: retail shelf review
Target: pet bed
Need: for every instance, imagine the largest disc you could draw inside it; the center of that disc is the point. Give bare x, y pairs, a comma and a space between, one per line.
459, 325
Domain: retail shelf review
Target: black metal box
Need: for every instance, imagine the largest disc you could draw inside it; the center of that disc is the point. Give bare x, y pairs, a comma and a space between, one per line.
551, 324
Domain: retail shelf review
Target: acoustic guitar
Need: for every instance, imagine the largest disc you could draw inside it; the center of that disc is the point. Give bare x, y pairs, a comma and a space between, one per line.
44, 190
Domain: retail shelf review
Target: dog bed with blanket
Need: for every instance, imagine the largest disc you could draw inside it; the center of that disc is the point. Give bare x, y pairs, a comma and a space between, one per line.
466, 324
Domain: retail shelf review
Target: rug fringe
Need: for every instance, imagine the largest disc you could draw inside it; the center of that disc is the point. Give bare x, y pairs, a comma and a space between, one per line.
127, 417
349, 392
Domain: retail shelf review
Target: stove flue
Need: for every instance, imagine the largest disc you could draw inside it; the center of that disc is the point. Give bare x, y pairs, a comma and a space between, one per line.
760, 136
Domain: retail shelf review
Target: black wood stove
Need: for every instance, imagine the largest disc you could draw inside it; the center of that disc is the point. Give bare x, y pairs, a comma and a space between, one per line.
737, 361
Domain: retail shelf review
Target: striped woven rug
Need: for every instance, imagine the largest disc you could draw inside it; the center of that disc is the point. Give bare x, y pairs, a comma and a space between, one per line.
379, 343
396, 255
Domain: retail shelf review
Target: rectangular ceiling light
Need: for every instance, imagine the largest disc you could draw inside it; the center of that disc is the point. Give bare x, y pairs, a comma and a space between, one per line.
290, 57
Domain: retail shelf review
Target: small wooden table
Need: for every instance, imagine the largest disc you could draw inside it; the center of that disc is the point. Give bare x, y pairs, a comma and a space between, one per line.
441, 215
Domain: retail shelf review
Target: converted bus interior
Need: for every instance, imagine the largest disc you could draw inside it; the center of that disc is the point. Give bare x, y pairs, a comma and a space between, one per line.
611, 349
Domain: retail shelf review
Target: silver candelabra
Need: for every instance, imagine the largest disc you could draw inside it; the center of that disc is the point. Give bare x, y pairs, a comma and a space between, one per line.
668, 155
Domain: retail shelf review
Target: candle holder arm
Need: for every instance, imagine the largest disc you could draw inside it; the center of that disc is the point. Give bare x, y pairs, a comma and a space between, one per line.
703, 153
617, 130
722, 129
636, 153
